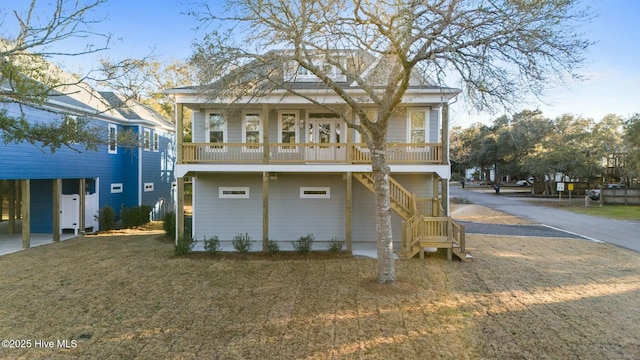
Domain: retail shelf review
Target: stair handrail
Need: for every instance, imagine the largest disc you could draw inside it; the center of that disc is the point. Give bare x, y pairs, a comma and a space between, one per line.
406, 199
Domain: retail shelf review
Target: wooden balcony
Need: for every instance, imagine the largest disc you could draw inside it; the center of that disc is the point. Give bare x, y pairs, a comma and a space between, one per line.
296, 153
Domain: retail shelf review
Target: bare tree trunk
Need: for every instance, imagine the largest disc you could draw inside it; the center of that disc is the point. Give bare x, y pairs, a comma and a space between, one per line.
386, 266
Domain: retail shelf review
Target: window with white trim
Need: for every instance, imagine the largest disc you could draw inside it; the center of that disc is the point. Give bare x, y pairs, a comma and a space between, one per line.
148, 187
146, 139
252, 129
288, 128
116, 188
295, 72
417, 122
233, 192
156, 141
216, 128
113, 139
315, 192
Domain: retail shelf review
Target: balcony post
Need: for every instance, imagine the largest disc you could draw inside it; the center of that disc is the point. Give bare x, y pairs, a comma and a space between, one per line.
265, 134
349, 157
179, 118
445, 134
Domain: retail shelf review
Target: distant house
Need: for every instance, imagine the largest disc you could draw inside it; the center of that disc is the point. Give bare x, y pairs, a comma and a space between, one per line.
75, 184
279, 167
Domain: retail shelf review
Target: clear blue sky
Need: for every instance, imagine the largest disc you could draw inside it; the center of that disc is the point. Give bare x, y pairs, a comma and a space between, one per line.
612, 69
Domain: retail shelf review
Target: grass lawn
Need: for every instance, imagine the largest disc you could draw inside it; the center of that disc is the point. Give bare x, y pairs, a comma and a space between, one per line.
619, 212
126, 296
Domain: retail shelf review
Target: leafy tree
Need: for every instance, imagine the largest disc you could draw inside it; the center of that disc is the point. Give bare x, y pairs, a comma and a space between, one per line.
499, 50
632, 139
608, 142
461, 148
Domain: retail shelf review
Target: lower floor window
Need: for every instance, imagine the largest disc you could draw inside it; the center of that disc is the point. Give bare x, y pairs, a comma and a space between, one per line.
233, 192
315, 192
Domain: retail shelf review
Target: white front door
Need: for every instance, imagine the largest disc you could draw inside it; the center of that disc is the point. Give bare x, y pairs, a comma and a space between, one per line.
325, 129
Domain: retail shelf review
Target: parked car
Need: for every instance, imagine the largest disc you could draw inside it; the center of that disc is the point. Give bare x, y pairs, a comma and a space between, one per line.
525, 182
616, 186
594, 194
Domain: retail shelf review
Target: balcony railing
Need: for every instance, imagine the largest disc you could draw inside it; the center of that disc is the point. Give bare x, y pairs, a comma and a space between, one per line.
296, 153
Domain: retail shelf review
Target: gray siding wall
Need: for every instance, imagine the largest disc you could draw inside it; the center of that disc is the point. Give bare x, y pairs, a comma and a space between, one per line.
434, 126
363, 216
291, 217
226, 218
198, 126
397, 130
420, 184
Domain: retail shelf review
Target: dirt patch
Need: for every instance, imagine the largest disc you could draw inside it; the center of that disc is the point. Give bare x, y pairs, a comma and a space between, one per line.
127, 296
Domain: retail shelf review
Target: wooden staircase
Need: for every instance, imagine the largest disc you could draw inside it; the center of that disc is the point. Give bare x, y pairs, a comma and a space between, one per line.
402, 201
419, 231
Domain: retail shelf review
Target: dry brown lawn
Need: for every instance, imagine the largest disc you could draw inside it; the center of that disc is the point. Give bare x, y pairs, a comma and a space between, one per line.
125, 296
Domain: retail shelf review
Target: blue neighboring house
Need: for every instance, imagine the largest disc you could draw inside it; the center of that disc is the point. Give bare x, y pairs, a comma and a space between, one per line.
116, 175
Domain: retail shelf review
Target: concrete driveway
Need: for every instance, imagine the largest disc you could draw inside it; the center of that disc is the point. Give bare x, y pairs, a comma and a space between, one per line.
623, 233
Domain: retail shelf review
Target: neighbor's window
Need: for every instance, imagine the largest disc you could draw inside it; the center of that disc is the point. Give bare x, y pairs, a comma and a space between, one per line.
315, 192
146, 139
156, 141
113, 139
233, 192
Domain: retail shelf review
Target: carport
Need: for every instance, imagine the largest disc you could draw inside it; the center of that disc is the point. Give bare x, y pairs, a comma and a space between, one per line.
22, 198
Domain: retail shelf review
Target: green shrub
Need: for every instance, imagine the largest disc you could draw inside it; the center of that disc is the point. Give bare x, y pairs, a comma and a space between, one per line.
169, 223
212, 245
242, 243
107, 218
184, 245
272, 247
303, 245
335, 245
136, 216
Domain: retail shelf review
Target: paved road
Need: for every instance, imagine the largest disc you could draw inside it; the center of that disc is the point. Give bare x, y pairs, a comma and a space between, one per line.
623, 233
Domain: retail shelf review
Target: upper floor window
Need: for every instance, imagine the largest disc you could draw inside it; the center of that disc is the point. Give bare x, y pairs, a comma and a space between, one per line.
216, 128
417, 121
296, 72
146, 139
113, 139
252, 128
288, 127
